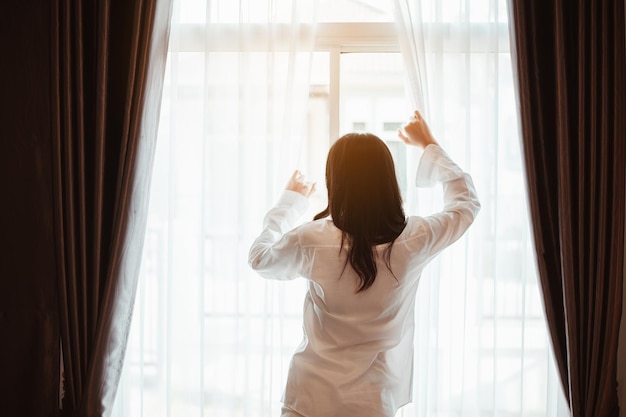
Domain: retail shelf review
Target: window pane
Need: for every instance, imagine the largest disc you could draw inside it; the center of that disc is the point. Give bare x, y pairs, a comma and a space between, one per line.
373, 99
356, 11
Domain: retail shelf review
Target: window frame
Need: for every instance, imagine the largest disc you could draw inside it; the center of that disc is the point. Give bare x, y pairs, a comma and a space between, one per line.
334, 38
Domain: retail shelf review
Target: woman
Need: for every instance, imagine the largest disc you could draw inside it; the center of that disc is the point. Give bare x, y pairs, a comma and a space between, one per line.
363, 259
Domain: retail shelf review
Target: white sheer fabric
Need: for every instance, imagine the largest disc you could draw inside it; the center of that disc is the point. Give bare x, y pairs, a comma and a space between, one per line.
210, 337
409, 20
481, 348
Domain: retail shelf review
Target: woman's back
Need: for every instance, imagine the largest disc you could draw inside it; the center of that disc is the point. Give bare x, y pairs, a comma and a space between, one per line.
356, 355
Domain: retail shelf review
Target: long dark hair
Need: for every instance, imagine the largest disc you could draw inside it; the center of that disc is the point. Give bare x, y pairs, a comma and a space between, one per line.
364, 200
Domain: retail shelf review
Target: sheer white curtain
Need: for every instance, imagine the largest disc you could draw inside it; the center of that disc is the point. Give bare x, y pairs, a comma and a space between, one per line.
481, 347
209, 337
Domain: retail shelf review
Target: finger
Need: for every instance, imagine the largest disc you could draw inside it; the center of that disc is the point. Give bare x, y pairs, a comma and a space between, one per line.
402, 136
312, 189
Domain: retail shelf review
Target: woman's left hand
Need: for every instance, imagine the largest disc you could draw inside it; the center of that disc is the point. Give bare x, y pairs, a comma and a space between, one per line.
298, 184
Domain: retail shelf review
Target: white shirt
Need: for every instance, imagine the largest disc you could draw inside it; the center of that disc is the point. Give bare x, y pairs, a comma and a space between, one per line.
356, 356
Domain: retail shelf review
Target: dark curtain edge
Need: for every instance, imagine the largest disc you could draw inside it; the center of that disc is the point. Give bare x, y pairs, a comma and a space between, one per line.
91, 385
621, 349
55, 116
115, 328
537, 246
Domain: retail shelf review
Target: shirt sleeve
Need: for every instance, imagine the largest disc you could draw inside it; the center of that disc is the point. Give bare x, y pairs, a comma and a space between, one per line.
277, 253
461, 203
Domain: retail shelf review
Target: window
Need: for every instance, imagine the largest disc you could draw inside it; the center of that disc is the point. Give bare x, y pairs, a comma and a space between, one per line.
254, 89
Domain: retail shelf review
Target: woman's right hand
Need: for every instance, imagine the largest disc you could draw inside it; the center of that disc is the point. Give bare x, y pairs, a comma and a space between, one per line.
416, 132
298, 183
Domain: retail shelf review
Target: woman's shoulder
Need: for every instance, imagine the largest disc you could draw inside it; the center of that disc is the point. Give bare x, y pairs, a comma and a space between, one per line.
320, 233
416, 227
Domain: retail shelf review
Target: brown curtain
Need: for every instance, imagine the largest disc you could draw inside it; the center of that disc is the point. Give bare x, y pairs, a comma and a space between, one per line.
571, 70
29, 330
107, 70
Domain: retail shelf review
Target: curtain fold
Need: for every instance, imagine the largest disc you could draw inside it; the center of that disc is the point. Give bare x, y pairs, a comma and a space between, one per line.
571, 75
107, 71
408, 16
